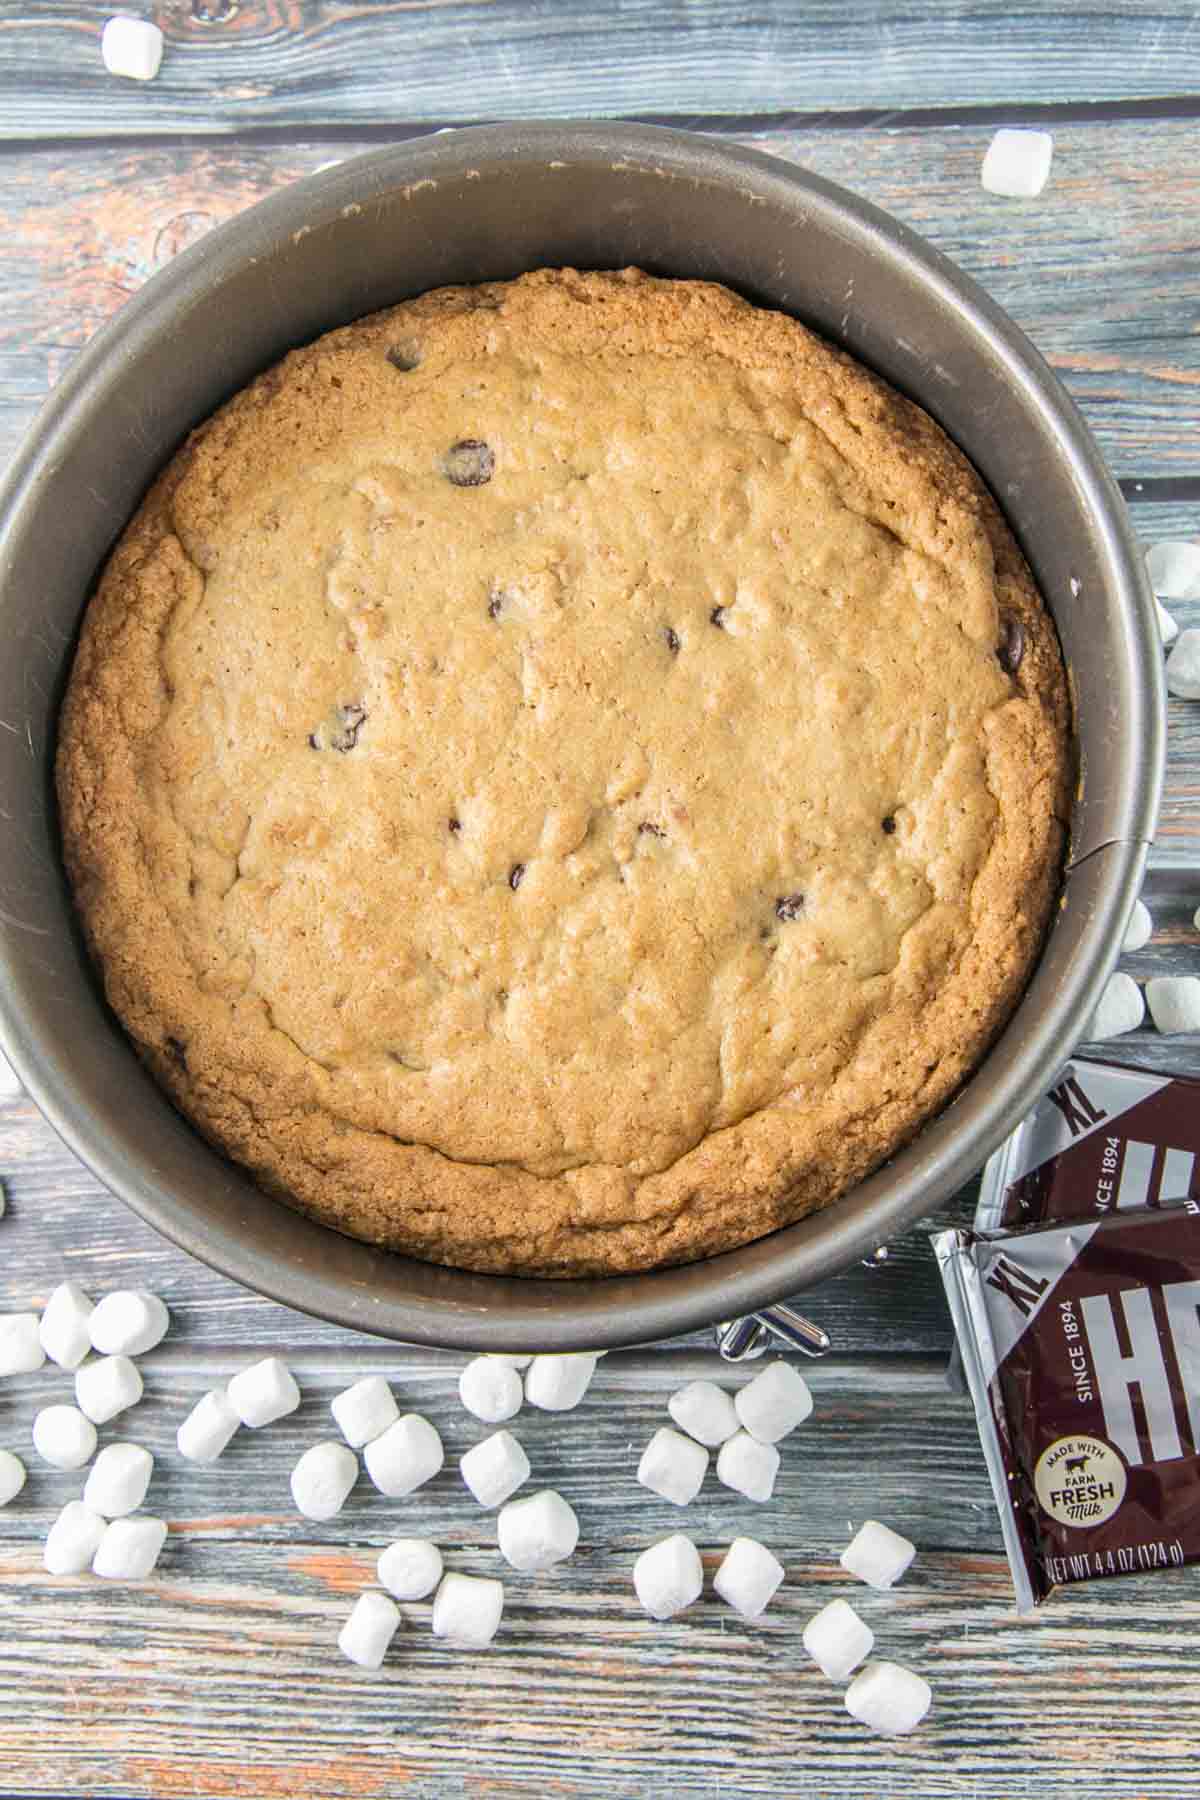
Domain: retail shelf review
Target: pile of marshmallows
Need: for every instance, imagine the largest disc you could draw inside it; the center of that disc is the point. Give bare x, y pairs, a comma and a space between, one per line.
95, 1532
402, 1452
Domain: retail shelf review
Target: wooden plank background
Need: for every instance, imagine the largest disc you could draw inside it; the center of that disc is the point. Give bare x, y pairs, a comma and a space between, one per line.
217, 1677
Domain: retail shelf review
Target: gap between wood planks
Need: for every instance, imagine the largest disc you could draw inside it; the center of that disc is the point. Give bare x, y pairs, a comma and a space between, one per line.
385, 131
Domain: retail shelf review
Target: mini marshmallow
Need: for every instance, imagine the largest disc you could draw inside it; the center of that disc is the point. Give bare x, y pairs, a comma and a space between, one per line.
208, 1428
1140, 928
748, 1466
64, 1437
129, 1549
12, 1476
128, 1323
410, 1568
364, 1411
264, 1392
369, 1630
704, 1411
748, 1577
1174, 1003
1183, 665
774, 1403
106, 1387
537, 1532
1017, 163
322, 1479
877, 1555
495, 1469
668, 1576
20, 1345
557, 1383
73, 1539
132, 47
490, 1390
408, 1454
118, 1480
467, 1609
510, 1362
64, 1327
673, 1465
1120, 1008
837, 1639
889, 1699
1174, 570
1168, 628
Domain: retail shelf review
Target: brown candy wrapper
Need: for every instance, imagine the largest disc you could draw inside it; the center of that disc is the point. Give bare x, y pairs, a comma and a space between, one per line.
1081, 1348
1105, 1139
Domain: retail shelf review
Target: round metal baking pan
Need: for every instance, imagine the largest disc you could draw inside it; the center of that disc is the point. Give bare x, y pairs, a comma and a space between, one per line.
489, 203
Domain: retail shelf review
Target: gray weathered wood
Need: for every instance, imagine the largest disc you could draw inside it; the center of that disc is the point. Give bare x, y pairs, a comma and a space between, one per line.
258, 64
219, 1674
1100, 271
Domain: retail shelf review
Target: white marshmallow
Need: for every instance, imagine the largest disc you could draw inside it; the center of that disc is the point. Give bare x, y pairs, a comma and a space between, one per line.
128, 1323
364, 1411
537, 1532
322, 1479
1017, 163
837, 1639
668, 1576
410, 1568
748, 1466
129, 1549
467, 1609
1174, 569
1168, 628
557, 1383
264, 1392
877, 1555
73, 1539
1120, 1008
365, 1636
404, 1457
132, 47
889, 1699
63, 1437
1175, 1003
1140, 928
1183, 665
208, 1428
774, 1403
495, 1469
64, 1327
748, 1577
490, 1390
673, 1465
12, 1476
106, 1387
704, 1411
118, 1480
20, 1346
510, 1362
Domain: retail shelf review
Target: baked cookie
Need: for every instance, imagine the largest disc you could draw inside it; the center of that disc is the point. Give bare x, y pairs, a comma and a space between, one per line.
564, 776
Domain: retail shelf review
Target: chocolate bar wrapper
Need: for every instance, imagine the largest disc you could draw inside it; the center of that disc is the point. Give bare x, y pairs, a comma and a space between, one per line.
1081, 1348
1104, 1139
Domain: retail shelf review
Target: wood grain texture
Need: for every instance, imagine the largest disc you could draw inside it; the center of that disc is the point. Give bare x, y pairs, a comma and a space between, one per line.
219, 1675
1101, 271
253, 64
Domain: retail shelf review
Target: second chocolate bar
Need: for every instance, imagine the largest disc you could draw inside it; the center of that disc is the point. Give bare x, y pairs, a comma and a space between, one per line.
1105, 1139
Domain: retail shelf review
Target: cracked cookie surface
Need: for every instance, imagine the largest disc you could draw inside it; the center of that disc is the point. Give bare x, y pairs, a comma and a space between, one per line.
564, 776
